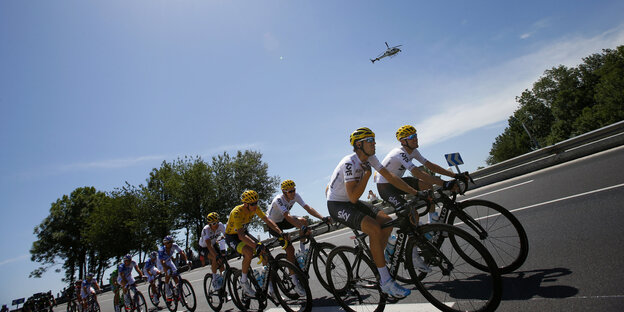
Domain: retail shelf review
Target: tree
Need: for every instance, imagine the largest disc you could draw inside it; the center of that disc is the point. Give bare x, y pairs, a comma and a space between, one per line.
565, 102
61, 235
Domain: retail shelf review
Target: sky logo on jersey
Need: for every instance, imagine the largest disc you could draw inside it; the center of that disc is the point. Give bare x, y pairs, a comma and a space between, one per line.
348, 169
342, 214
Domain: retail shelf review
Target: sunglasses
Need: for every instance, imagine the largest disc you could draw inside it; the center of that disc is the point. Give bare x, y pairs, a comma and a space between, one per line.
214, 223
253, 204
369, 139
411, 137
291, 191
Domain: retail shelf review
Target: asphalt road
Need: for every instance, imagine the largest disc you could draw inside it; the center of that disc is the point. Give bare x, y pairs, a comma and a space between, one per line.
572, 214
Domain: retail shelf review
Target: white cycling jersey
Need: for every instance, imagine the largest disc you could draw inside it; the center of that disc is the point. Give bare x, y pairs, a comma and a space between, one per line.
397, 161
126, 271
208, 234
349, 169
281, 205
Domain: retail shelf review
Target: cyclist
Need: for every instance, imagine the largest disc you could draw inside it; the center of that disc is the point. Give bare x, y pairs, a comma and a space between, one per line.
125, 278
150, 269
115, 287
346, 186
211, 245
165, 257
280, 214
237, 236
78, 298
86, 289
399, 160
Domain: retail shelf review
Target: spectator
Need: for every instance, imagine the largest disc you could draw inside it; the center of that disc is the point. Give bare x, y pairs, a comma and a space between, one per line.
4, 308
372, 197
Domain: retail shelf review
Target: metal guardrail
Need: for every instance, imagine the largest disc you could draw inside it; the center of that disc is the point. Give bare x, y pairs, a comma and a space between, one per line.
583, 145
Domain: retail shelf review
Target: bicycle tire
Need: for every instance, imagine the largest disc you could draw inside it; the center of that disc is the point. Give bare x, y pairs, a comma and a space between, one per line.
187, 294
284, 287
506, 238
170, 302
94, 306
319, 262
351, 272
247, 303
213, 297
452, 280
139, 301
152, 295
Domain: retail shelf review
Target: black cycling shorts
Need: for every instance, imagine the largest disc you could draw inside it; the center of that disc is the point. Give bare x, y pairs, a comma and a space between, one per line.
393, 195
284, 225
351, 214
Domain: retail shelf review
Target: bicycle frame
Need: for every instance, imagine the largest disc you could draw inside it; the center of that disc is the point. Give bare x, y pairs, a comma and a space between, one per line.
449, 203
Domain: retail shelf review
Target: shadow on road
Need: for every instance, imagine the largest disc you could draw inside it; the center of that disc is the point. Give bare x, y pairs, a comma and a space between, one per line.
536, 283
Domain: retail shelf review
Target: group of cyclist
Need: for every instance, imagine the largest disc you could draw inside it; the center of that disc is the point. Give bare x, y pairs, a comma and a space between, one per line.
347, 184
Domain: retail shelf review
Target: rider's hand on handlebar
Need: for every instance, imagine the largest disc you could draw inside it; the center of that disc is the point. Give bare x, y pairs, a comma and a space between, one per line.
260, 248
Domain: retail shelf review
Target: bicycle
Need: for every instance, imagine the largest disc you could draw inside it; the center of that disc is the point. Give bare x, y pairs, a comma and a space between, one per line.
216, 297
277, 274
183, 293
452, 285
496, 228
72, 306
134, 300
316, 255
92, 304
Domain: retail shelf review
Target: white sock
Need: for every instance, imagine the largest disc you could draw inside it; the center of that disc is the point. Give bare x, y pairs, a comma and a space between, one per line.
244, 277
214, 275
301, 246
384, 275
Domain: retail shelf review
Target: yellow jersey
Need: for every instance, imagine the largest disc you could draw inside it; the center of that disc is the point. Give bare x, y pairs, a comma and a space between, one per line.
240, 217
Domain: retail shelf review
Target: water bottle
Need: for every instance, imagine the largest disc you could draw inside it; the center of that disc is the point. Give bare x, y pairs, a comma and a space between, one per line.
390, 247
259, 274
301, 258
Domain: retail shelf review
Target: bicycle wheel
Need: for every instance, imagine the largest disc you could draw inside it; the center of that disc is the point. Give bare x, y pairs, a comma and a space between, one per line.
213, 296
353, 278
504, 236
246, 302
454, 284
187, 295
139, 302
152, 295
284, 287
94, 306
319, 262
172, 300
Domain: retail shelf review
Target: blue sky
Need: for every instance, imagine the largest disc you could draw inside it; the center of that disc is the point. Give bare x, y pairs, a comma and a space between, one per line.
96, 93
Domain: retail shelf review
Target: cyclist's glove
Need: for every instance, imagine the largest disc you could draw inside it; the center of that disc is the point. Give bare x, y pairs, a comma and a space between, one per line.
304, 230
260, 248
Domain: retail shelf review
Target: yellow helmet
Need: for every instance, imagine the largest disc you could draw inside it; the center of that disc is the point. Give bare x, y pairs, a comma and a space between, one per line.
212, 217
249, 196
361, 133
288, 184
405, 131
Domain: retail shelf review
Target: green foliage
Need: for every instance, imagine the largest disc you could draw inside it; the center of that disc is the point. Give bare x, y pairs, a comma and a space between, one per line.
565, 102
89, 229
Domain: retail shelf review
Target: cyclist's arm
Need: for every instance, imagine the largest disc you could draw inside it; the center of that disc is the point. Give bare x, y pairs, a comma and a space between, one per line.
313, 212
242, 235
397, 182
425, 177
136, 267
439, 170
211, 249
355, 189
272, 224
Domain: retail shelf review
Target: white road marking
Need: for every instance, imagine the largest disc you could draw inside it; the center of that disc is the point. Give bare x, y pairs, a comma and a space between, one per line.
504, 188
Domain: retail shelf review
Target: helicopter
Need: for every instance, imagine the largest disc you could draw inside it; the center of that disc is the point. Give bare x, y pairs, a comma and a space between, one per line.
391, 52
